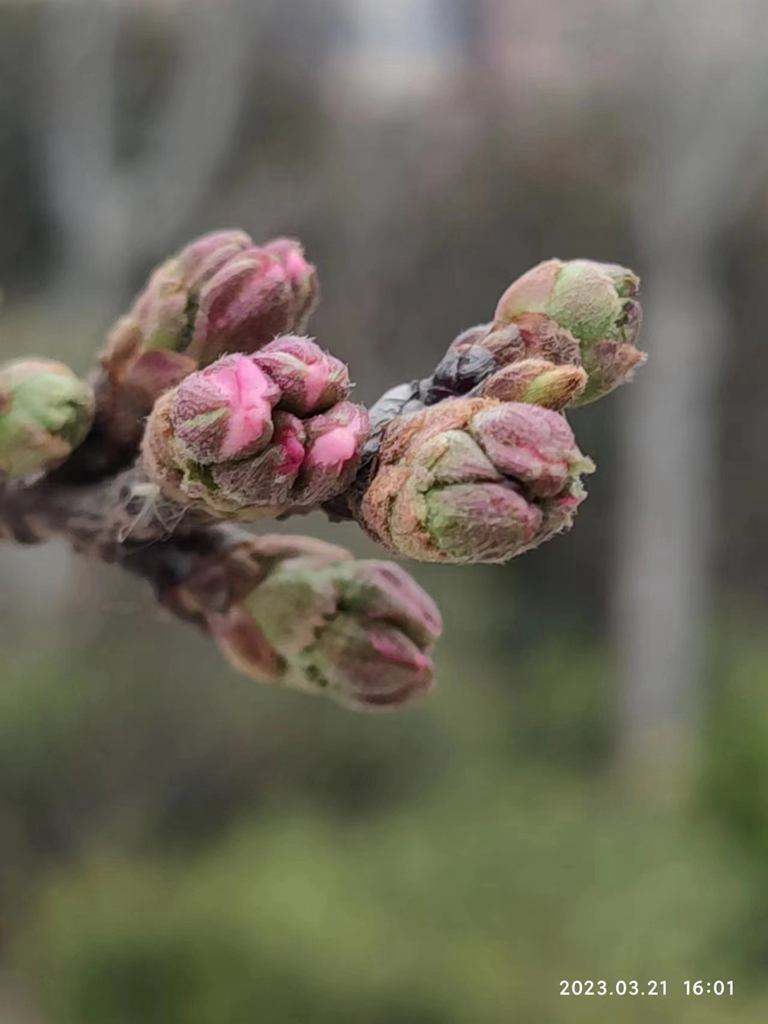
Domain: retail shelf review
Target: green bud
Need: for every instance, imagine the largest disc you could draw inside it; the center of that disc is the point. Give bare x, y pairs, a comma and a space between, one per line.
596, 303
360, 632
45, 413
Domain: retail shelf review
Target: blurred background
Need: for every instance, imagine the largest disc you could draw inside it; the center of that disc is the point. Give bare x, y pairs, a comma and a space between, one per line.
586, 795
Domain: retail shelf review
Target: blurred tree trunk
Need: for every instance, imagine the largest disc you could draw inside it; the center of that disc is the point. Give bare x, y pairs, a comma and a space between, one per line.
115, 215
669, 444
705, 110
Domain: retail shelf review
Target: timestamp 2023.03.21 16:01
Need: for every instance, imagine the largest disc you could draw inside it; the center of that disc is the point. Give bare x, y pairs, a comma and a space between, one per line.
651, 987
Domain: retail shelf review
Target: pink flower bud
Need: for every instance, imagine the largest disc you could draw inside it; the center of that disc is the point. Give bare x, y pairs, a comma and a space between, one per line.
264, 484
224, 412
201, 259
164, 311
260, 293
335, 442
360, 632
474, 480
370, 666
223, 440
220, 294
301, 276
310, 380
530, 445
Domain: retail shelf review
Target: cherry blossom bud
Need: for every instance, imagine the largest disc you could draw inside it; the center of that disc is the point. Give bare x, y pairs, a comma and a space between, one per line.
310, 380
596, 303
474, 480
537, 382
165, 310
360, 632
301, 276
260, 486
201, 259
335, 442
224, 412
220, 294
45, 413
224, 440
260, 293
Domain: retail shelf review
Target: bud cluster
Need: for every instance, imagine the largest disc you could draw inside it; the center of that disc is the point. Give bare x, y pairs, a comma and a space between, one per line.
254, 435
474, 480
211, 400
559, 318
220, 294
360, 632
45, 413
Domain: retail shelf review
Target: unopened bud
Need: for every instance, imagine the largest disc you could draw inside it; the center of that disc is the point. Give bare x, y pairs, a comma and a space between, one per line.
224, 412
310, 380
224, 438
360, 632
220, 294
260, 293
335, 442
201, 259
474, 480
595, 302
537, 382
262, 485
45, 413
301, 276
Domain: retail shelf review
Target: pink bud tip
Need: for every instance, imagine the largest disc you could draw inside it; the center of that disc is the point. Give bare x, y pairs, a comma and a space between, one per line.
335, 443
225, 411
310, 379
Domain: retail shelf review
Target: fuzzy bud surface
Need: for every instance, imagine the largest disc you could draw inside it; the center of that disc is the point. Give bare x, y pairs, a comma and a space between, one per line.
226, 438
474, 480
593, 303
360, 632
45, 413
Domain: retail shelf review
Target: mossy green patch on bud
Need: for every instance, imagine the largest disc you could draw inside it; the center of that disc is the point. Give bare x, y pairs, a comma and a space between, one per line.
585, 300
46, 412
474, 480
595, 303
360, 632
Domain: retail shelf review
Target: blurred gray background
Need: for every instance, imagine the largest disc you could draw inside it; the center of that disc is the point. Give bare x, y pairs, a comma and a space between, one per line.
586, 795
